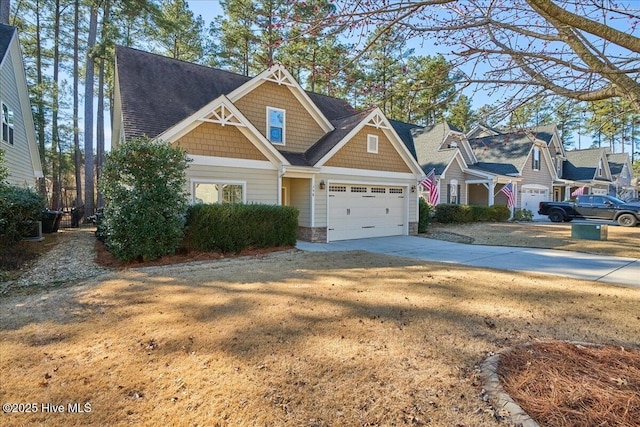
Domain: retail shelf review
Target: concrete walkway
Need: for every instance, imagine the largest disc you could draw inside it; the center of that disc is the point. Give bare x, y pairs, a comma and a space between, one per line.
615, 270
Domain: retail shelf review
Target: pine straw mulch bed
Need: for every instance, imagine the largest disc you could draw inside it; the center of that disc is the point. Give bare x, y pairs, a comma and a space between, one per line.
565, 384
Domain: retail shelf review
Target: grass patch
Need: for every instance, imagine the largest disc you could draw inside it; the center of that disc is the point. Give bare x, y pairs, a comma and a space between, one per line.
290, 339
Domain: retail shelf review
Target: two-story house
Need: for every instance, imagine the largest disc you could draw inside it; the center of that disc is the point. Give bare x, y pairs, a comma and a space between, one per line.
264, 139
17, 136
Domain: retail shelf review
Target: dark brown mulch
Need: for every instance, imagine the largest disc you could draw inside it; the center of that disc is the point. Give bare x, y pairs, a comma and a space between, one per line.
564, 384
106, 259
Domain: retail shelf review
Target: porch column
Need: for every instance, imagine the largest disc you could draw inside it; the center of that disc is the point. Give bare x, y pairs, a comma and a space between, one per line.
492, 190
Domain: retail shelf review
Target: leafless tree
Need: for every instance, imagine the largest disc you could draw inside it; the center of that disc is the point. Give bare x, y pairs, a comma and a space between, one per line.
586, 50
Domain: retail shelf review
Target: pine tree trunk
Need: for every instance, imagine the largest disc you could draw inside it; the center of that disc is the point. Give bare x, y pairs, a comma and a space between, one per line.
40, 120
100, 115
5, 10
56, 203
77, 154
88, 115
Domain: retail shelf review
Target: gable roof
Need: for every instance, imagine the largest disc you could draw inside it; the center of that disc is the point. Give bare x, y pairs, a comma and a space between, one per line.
427, 141
582, 165
158, 92
504, 154
617, 161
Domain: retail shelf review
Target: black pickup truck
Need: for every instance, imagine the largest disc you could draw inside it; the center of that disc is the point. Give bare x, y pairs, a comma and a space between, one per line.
593, 207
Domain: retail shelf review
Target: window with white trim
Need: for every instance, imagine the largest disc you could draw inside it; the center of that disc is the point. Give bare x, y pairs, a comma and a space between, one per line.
276, 119
536, 158
217, 192
372, 144
600, 168
7, 124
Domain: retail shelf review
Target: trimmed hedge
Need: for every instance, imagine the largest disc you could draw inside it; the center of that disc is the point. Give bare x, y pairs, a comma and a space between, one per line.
462, 214
233, 227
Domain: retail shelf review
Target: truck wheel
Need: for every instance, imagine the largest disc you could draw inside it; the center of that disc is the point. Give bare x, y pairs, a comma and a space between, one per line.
556, 216
627, 220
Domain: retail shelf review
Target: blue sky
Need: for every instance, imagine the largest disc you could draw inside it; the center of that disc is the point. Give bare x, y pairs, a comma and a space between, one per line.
209, 9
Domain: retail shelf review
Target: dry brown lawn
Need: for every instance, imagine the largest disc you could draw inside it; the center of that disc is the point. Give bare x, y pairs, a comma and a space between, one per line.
622, 241
289, 339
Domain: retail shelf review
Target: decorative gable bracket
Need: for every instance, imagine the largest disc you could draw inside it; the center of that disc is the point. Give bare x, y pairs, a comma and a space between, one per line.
378, 122
279, 76
222, 116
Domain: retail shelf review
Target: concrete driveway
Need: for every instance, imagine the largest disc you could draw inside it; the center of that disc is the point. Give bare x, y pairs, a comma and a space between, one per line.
615, 270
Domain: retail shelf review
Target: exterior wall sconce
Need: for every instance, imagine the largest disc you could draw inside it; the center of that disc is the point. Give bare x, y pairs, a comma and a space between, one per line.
413, 188
322, 185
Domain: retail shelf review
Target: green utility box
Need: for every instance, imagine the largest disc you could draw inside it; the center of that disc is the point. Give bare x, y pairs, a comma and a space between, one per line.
589, 231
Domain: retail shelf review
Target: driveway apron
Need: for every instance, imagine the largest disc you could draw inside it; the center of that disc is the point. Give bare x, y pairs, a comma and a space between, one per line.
615, 270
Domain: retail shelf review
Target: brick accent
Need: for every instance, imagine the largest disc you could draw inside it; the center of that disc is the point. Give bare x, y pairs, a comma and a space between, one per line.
313, 234
354, 154
210, 139
301, 130
413, 228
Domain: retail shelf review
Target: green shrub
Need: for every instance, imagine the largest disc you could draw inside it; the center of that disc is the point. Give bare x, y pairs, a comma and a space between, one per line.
233, 227
424, 215
453, 214
498, 213
19, 208
462, 214
522, 215
143, 185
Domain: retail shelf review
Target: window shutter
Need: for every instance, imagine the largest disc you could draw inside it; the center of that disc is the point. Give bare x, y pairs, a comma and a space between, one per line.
448, 193
458, 199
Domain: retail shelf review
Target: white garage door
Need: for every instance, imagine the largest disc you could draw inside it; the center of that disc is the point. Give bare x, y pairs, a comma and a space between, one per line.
360, 211
531, 198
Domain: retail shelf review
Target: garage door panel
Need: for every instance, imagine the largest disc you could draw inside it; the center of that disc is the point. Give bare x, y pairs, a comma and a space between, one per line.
357, 211
531, 199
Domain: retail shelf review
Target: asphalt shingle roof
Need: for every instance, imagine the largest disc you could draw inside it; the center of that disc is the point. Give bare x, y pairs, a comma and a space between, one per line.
158, 92
616, 162
503, 154
6, 33
427, 141
581, 165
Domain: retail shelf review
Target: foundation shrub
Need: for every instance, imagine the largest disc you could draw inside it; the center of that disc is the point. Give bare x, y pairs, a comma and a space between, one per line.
233, 227
424, 215
498, 213
143, 185
462, 214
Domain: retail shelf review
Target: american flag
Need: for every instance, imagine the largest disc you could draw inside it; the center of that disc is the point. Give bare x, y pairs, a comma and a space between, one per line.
508, 191
579, 191
430, 184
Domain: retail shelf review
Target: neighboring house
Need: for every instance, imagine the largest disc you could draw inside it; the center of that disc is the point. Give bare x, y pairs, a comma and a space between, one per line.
445, 150
622, 176
589, 169
474, 171
17, 136
266, 140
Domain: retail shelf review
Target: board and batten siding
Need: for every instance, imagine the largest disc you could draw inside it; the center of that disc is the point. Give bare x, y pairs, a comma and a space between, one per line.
321, 196
17, 156
261, 185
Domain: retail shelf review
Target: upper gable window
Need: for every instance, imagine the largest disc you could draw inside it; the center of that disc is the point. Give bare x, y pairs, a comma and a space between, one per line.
7, 124
536, 158
276, 119
600, 168
372, 143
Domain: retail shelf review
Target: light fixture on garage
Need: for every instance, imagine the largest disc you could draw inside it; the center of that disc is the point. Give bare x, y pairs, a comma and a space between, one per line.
322, 185
413, 188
